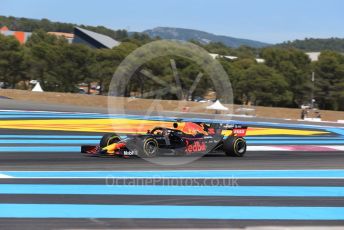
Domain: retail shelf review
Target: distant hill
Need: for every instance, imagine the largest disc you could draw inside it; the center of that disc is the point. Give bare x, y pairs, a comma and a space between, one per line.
201, 36
316, 44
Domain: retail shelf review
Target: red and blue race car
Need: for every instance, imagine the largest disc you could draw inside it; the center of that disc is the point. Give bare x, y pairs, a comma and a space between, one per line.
192, 138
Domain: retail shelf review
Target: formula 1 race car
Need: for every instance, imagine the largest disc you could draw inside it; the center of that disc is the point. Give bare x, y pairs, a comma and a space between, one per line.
193, 138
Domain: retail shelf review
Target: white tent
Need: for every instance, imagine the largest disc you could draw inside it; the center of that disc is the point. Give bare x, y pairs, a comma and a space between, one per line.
217, 106
37, 88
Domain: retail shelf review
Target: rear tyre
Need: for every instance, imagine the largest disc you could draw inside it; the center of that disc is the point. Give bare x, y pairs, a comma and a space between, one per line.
108, 139
234, 146
149, 148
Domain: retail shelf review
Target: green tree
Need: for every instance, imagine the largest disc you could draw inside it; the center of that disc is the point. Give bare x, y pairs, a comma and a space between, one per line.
74, 67
57, 65
262, 85
12, 64
329, 72
44, 57
295, 67
235, 71
106, 62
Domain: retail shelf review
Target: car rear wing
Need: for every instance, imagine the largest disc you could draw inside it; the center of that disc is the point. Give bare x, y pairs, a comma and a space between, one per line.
237, 129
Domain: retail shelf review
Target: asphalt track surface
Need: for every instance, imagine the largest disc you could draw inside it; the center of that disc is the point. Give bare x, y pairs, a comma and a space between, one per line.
76, 161
253, 160
73, 161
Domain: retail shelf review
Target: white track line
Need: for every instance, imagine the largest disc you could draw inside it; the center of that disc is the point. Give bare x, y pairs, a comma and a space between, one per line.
2, 176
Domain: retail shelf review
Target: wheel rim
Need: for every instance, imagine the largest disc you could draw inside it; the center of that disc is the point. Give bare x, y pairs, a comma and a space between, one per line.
150, 148
240, 146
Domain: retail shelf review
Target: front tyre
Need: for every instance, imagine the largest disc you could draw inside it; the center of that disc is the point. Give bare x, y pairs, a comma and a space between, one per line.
109, 139
234, 146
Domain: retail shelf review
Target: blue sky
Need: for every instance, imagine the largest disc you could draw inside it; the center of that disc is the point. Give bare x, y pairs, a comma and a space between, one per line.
264, 20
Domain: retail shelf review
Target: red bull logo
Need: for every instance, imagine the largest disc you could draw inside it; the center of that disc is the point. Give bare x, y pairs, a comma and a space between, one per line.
197, 146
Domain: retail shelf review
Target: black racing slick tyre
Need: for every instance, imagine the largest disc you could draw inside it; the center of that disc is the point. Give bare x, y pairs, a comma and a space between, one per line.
234, 146
108, 139
149, 148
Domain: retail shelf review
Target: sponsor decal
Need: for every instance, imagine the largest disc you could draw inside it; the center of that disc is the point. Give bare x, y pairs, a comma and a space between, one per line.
129, 153
197, 146
239, 132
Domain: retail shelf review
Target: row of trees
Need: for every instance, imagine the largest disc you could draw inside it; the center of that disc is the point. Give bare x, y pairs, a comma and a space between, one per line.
56, 64
283, 80
29, 25
316, 44
285, 77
